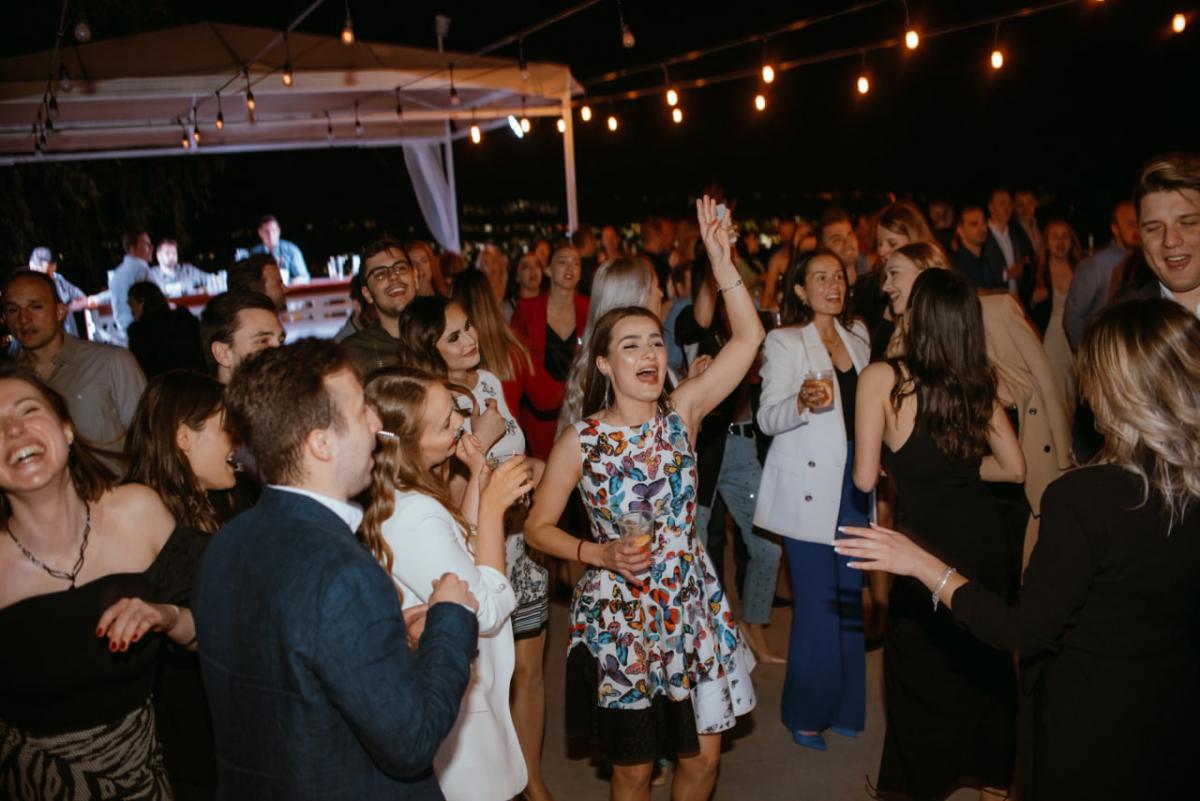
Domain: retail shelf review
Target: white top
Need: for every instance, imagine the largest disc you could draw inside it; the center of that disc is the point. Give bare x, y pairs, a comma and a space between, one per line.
481, 758
487, 387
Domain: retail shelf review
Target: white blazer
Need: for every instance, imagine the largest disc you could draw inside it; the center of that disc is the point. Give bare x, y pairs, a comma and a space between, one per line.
801, 487
481, 758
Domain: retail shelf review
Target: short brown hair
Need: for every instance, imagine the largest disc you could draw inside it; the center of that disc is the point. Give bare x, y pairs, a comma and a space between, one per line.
219, 320
277, 396
1171, 173
381, 244
247, 274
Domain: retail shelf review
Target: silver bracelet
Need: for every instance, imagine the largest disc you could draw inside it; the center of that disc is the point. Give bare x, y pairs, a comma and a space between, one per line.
734, 285
941, 585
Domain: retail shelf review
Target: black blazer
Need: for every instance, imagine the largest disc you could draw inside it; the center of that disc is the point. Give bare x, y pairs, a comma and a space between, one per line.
313, 691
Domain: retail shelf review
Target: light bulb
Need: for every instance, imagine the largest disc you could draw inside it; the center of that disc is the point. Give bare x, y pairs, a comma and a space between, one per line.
476, 136
348, 32
612, 123
760, 102
250, 100
64, 78
454, 98
677, 115
83, 31
864, 85
672, 97
562, 125
187, 143
911, 39
220, 121
196, 134
1179, 23
525, 124
768, 73
627, 39
997, 59
585, 113
287, 74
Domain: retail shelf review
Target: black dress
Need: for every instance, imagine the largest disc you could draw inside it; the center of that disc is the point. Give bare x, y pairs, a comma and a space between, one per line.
1108, 627
950, 699
75, 719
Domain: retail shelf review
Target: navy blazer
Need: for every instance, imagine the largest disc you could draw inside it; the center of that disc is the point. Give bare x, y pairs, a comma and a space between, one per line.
313, 691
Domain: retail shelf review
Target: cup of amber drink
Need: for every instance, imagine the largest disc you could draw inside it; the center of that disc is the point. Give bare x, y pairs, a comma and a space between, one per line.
820, 383
636, 528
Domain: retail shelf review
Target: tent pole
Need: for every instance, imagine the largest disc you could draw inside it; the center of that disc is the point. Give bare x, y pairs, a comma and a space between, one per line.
569, 163
448, 151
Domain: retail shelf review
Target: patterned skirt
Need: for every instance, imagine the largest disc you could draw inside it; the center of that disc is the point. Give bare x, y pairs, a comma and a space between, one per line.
531, 584
120, 760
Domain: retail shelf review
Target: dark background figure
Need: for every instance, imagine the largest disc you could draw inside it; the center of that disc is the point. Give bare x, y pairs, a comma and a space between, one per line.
162, 338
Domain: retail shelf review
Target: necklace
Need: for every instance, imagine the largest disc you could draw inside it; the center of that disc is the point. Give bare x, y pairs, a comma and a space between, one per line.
61, 574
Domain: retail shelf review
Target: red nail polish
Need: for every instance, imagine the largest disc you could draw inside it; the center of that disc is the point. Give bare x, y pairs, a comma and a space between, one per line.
112, 646
99, 632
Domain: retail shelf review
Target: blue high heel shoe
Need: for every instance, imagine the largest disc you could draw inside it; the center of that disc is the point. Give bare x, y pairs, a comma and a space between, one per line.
814, 741
844, 732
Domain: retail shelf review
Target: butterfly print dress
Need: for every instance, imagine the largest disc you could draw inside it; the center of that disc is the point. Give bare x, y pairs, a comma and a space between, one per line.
665, 653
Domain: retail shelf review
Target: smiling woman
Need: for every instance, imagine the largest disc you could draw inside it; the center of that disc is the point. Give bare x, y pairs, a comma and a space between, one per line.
81, 555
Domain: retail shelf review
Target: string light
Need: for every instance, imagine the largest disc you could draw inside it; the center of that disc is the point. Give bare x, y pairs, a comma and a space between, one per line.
672, 98
864, 83
52, 107
476, 135
399, 108
612, 122
997, 58
358, 126
760, 102
220, 114
454, 99
83, 31
348, 28
526, 124
585, 113
64, 78
627, 38
249, 94
911, 39
185, 141
515, 126
677, 115
768, 73
287, 61
562, 125
196, 134
328, 127
1179, 23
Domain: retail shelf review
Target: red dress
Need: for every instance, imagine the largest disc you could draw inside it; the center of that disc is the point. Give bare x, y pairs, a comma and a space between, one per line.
541, 395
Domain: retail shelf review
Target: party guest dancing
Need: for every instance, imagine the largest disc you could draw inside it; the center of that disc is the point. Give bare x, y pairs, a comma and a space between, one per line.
415, 529
1106, 620
655, 658
303, 646
950, 700
91, 575
807, 491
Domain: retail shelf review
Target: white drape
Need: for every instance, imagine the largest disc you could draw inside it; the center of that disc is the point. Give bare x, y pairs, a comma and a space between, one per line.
435, 191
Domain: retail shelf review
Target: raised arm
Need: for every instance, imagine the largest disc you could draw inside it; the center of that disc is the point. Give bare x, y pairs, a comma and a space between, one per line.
870, 418
696, 398
1005, 463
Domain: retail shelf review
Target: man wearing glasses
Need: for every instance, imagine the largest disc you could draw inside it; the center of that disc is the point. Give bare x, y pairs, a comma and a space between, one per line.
389, 284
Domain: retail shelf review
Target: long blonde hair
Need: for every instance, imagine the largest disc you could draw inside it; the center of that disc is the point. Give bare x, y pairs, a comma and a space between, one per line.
617, 284
398, 395
500, 349
1139, 368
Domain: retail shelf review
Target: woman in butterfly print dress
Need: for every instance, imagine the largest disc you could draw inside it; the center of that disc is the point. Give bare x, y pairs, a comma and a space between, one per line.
655, 660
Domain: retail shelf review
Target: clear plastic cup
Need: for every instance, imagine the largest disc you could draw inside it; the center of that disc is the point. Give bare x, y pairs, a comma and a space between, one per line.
822, 379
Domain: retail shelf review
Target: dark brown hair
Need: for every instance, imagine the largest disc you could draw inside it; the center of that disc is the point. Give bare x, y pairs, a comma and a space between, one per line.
90, 477
596, 384
172, 399
792, 310
278, 396
422, 324
247, 274
946, 364
500, 349
219, 320
398, 395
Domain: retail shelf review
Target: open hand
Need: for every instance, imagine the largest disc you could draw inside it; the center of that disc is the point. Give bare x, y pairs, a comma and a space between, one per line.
718, 235
129, 619
878, 548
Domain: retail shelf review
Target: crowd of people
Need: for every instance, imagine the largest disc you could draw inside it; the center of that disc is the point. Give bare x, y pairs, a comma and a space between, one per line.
239, 568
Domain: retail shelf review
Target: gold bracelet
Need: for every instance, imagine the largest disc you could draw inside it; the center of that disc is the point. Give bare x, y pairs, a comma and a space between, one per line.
734, 285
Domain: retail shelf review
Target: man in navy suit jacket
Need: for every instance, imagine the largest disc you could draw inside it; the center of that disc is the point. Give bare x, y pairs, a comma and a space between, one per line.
313, 691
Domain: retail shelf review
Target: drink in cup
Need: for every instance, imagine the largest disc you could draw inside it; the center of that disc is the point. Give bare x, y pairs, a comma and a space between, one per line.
820, 382
636, 528
497, 458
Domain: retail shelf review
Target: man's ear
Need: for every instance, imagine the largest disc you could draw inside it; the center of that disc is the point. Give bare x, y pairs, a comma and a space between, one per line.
60, 311
222, 353
320, 444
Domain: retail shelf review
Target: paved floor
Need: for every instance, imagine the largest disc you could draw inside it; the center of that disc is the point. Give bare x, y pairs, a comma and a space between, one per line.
759, 762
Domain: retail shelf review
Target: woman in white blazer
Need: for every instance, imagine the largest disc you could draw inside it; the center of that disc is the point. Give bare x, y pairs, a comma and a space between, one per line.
415, 530
807, 491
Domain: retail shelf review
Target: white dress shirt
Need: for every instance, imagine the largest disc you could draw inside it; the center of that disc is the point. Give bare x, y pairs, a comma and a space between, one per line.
350, 513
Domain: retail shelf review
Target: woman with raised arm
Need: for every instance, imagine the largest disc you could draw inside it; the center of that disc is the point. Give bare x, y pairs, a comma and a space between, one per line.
1106, 620
655, 661
418, 534
810, 375
932, 416
91, 575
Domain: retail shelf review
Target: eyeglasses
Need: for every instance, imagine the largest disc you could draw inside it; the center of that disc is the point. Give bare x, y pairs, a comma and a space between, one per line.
389, 272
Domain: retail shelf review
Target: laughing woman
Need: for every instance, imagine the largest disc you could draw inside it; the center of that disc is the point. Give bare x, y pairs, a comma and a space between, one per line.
656, 661
807, 490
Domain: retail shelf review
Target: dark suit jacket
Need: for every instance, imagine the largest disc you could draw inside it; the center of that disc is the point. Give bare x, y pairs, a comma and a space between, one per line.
313, 691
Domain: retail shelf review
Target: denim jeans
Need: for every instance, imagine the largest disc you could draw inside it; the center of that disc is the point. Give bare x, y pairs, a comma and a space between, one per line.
738, 485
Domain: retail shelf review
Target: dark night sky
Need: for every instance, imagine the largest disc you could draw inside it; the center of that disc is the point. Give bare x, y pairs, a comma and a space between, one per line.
1088, 92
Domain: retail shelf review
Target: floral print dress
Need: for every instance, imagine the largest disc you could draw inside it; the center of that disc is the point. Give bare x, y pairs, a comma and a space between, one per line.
674, 634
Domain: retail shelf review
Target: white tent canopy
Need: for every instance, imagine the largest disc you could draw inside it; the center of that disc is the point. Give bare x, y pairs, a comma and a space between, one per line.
140, 95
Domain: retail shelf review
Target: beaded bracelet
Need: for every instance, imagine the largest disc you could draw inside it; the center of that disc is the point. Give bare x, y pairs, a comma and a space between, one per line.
734, 285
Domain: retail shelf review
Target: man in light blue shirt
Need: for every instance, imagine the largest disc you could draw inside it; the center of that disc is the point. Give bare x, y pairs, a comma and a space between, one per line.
133, 268
74, 298
1093, 276
287, 255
